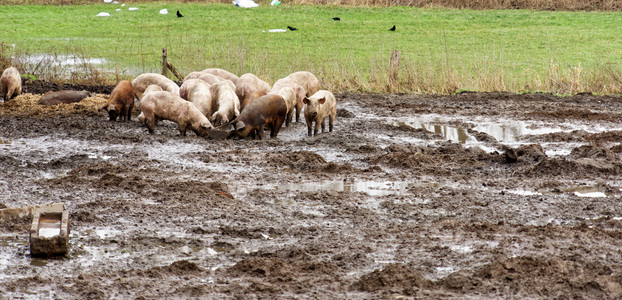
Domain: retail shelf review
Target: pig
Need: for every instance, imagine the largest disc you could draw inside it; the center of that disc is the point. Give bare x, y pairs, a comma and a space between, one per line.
64, 97
164, 105
289, 96
226, 104
121, 102
268, 110
298, 89
307, 80
250, 87
141, 82
149, 89
207, 77
222, 74
11, 83
186, 86
201, 97
320, 105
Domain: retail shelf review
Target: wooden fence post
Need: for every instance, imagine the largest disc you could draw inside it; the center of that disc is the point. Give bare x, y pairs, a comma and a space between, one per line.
395, 70
164, 64
174, 70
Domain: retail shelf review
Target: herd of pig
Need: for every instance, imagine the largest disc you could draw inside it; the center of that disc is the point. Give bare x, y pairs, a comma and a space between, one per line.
208, 99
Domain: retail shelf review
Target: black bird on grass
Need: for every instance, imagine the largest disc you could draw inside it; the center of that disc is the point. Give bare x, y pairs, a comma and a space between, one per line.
392, 28
291, 28
179, 15
336, 19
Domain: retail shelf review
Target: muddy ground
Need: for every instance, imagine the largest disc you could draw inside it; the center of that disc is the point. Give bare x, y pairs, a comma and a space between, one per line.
476, 195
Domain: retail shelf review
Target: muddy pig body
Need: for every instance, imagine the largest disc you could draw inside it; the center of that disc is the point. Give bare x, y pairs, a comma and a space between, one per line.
307, 80
164, 105
300, 92
250, 87
266, 111
222, 74
320, 105
226, 104
63, 97
201, 96
121, 102
11, 83
141, 83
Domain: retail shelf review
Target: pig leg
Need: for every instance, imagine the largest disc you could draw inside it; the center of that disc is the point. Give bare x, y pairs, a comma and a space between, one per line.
309, 125
260, 133
323, 125
182, 129
331, 119
299, 105
123, 115
276, 128
317, 127
129, 111
150, 122
290, 116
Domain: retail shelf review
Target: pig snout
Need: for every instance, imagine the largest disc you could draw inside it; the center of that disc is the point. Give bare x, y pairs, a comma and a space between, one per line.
314, 114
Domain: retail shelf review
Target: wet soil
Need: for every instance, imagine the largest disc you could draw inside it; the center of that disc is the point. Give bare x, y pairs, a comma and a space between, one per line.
476, 195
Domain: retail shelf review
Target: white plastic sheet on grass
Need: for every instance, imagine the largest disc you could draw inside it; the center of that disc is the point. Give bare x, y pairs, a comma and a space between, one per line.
245, 3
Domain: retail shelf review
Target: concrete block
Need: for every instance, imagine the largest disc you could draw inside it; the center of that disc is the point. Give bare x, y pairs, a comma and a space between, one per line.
49, 233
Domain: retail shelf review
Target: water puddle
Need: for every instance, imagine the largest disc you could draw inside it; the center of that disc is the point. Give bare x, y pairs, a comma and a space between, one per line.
59, 59
504, 132
372, 188
587, 192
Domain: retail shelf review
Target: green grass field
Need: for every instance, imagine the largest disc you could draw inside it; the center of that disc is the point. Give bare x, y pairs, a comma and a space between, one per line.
442, 50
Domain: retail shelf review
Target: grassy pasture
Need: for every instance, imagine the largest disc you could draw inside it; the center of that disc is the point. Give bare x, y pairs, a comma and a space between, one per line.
442, 50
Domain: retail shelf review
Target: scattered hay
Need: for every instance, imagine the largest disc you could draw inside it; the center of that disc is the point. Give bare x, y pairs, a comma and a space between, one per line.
28, 105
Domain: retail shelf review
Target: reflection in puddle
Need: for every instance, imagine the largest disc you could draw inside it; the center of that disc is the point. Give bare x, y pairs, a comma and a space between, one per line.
451, 133
504, 131
587, 192
38, 262
372, 188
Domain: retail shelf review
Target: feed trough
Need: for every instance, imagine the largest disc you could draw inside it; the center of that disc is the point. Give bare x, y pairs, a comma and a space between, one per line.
49, 233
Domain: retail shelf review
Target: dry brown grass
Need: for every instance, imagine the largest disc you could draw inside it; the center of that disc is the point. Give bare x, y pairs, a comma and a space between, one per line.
570, 5
28, 105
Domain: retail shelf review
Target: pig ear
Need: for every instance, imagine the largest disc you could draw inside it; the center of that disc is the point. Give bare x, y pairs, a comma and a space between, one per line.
239, 125
305, 100
322, 100
206, 125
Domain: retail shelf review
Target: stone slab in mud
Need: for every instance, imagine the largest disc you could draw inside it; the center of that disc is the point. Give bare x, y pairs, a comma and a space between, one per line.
477, 195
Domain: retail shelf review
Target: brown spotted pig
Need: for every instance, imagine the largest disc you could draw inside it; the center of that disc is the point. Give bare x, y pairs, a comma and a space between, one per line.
121, 102
266, 111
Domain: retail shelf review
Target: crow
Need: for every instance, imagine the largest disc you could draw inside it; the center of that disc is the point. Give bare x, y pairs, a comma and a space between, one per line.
291, 28
336, 19
392, 28
179, 15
